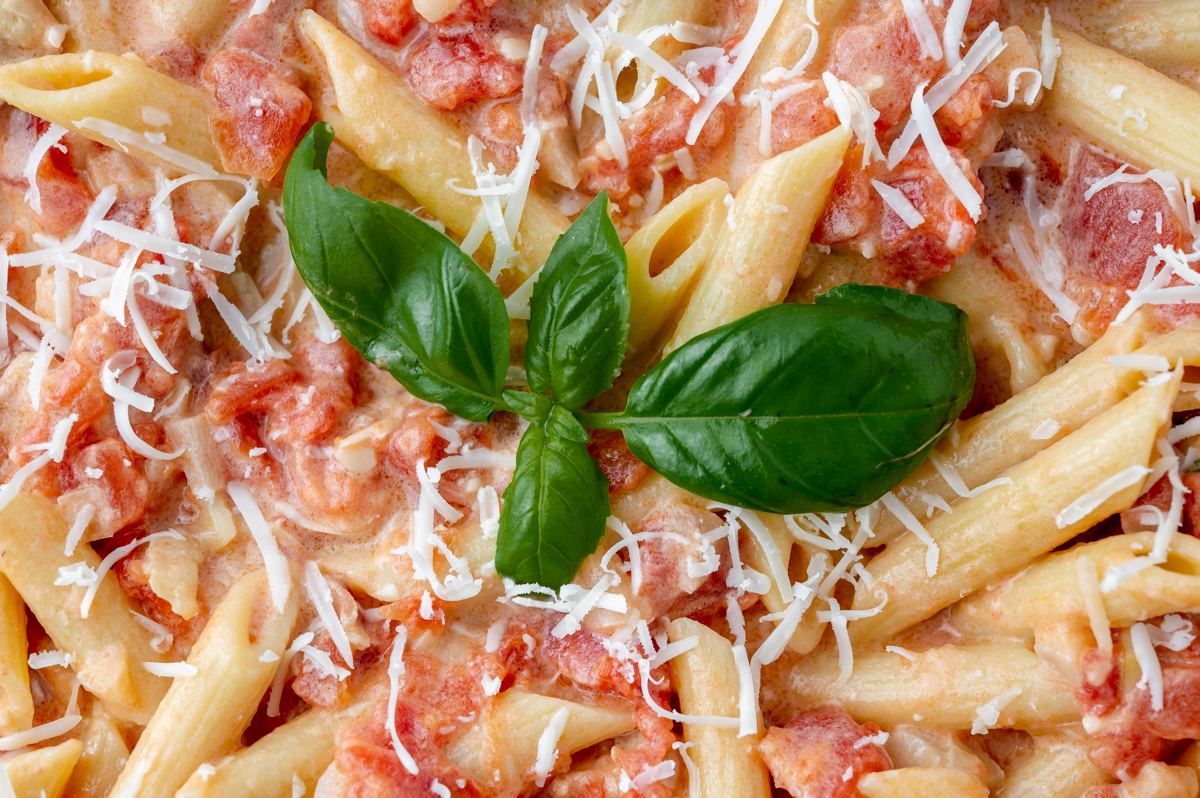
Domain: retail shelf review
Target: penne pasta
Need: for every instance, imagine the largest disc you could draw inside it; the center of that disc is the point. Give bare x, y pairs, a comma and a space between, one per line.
103, 755
16, 703
44, 771
203, 715
1047, 594
505, 740
302, 748
1058, 768
707, 681
772, 218
665, 256
989, 444
119, 102
923, 782
1148, 125
108, 646
942, 687
1002, 529
1163, 33
28, 28
383, 123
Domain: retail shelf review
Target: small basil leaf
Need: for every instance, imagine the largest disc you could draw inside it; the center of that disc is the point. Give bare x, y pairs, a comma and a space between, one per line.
805, 408
579, 311
402, 293
533, 407
554, 508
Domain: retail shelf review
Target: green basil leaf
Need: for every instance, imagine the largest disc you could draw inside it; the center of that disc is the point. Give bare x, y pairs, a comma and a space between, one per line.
805, 408
555, 507
402, 293
579, 311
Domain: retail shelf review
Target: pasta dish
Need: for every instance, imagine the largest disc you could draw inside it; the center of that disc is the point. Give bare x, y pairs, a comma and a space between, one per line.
649, 398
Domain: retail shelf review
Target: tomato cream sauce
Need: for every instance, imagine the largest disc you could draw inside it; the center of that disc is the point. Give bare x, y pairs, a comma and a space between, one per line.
331, 446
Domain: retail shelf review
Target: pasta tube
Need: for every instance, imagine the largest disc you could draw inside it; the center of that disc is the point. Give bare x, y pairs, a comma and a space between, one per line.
382, 121
119, 102
1058, 768
940, 687
1048, 592
505, 740
203, 715
43, 772
665, 255
754, 265
923, 782
706, 678
1151, 122
104, 754
1005, 527
108, 646
16, 702
303, 748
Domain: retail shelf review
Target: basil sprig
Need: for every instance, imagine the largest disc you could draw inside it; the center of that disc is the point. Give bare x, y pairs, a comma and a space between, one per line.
794, 408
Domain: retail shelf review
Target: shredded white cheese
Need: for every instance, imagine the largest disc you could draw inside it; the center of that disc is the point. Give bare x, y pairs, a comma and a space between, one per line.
1147, 660
910, 522
547, 748
279, 575
923, 29
1051, 49
395, 671
322, 600
988, 715
895, 199
39, 734
1089, 502
941, 158
171, 670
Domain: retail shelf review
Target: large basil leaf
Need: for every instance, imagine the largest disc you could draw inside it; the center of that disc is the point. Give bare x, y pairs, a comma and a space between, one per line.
554, 508
579, 311
402, 293
802, 408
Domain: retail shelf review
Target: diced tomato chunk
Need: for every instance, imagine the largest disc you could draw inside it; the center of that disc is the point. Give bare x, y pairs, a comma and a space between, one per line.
857, 215
256, 113
624, 471
822, 754
883, 57
447, 71
1109, 237
390, 20
64, 196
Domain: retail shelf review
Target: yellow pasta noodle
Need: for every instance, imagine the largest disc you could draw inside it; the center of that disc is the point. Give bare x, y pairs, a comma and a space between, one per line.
382, 121
302, 748
1048, 593
117, 101
43, 772
103, 755
706, 678
665, 255
203, 715
756, 260
108, 646
921, 783
943, 686
16, 703
1058, 768
505, 739
1150, 124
